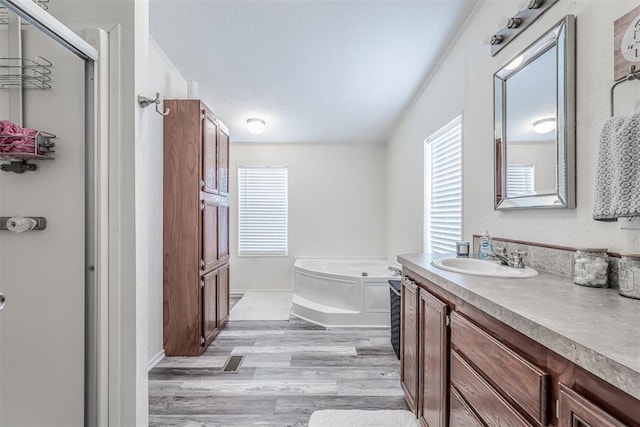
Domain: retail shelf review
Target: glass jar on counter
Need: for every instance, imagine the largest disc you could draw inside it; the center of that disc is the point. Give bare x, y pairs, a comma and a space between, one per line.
629, 275
591, 268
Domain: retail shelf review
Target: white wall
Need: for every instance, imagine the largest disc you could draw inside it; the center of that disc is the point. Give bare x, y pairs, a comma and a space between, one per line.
165, 79
336, 207
463, 84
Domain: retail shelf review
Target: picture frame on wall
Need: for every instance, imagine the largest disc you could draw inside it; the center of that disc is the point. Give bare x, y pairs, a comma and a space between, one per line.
626, 36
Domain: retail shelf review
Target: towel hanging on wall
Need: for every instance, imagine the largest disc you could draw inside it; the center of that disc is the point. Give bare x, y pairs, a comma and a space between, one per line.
617, 189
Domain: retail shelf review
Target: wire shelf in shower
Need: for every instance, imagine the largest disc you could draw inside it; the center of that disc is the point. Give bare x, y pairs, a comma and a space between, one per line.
25, 73
27, 147
4, 12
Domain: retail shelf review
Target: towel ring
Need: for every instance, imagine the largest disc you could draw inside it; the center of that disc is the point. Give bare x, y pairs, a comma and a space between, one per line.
633, 75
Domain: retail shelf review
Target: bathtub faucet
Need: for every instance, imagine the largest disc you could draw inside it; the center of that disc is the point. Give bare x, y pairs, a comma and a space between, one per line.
395, 271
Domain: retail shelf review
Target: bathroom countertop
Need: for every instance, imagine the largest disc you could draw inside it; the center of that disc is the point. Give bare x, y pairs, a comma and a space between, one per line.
594, 328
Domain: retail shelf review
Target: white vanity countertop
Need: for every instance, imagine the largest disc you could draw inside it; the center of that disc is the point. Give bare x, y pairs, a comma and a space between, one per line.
595, 328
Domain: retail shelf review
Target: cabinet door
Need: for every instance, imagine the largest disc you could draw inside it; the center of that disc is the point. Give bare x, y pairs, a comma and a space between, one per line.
209, 309
223, 161
576, 411
409, 343
209, 152
223, 295
223, 233
209, 236
434, 360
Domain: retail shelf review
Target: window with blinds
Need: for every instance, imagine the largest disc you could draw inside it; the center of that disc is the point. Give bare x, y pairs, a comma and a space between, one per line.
520, 179
262, 211
443, 188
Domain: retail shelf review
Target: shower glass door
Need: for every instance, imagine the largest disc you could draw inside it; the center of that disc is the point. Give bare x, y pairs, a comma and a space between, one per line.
42, 272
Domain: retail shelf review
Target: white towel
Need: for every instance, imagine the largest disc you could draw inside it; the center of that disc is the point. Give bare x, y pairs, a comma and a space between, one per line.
617, 189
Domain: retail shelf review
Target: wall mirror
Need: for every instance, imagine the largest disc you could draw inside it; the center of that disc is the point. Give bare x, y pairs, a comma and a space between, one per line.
534, 124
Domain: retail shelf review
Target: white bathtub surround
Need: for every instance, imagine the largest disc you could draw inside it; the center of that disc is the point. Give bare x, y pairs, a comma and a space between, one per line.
263, 306
343, 292
357, 418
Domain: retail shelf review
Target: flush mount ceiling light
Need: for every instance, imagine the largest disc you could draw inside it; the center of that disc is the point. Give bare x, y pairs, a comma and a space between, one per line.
256, 126
544, 125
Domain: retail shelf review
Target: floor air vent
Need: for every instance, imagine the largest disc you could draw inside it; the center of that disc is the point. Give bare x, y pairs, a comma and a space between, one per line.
232, 364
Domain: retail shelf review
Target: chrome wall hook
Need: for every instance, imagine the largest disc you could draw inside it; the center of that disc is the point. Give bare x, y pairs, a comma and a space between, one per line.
144, 102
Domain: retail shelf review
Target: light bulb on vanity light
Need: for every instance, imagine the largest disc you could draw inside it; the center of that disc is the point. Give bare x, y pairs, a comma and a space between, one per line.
529, 4
256, 126
544, 125
509, 23
492, 40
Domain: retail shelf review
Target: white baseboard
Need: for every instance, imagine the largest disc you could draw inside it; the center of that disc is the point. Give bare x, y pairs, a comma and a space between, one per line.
155, 360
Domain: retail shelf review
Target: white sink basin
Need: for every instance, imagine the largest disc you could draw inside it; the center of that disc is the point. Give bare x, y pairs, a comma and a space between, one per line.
480, 267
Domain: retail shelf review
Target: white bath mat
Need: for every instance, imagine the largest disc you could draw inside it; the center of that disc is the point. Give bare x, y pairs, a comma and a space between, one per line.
359, 418
263, 306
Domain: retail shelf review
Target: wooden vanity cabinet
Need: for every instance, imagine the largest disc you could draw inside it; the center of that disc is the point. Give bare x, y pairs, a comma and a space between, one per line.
576, 411
522, 383
496, 376
461, 414
424, 354
409, 342
433, 366
196, 227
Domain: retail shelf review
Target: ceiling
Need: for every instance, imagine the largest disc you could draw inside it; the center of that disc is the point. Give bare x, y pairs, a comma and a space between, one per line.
314, 70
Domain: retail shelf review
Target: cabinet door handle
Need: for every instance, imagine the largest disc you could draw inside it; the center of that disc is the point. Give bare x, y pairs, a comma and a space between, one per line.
2, 300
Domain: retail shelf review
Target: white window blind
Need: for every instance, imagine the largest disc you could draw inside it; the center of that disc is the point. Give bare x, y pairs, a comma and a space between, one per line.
262, 211
443, 188
520, 179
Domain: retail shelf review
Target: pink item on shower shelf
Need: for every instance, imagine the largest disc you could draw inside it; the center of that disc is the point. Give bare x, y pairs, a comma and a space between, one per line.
16, 139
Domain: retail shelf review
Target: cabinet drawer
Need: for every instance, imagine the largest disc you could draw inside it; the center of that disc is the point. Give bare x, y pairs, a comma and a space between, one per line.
460, 415
492, 408
525, 384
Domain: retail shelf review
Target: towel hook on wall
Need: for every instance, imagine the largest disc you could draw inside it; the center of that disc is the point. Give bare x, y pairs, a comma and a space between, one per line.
633, 75
145, 102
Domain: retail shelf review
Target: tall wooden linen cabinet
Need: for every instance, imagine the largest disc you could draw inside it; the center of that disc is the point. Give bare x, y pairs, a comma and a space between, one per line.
196, 227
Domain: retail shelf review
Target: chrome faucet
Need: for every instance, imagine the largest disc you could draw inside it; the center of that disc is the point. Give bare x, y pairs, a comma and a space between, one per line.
514, 259
395, 271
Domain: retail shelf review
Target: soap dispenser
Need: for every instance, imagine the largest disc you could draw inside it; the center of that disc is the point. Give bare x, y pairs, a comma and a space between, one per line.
485, 249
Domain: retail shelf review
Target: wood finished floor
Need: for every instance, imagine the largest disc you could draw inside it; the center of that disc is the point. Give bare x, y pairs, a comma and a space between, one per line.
291, 368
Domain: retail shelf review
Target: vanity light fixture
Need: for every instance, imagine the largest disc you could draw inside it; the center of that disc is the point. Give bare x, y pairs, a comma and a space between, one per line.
256, 126
545, 125
509, 28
